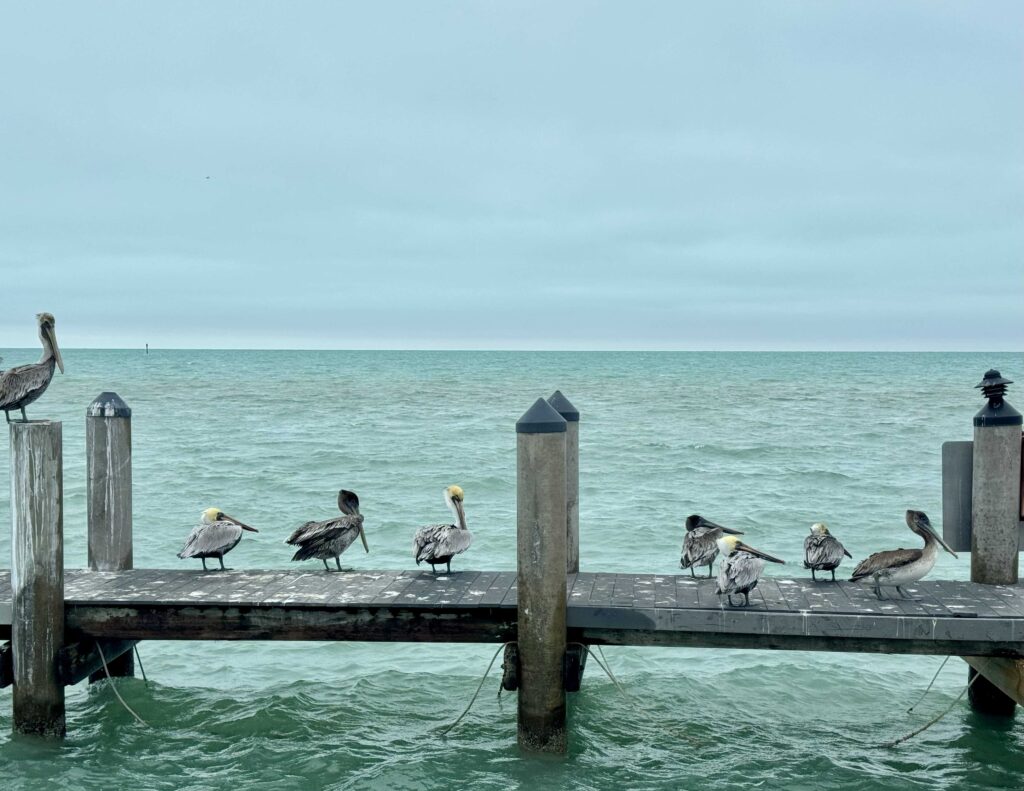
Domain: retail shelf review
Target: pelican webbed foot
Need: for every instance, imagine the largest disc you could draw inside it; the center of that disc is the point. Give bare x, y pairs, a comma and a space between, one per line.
905, 595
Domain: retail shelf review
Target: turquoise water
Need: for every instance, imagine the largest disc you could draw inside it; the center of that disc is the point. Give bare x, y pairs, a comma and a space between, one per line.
768, 443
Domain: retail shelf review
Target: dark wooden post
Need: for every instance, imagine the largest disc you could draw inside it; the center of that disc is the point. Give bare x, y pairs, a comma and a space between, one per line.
108, 447
37, 576
541, 560
995, 513
571, 415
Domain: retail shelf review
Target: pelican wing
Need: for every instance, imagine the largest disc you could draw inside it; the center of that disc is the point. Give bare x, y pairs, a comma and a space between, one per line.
880, 561
699, 547
319, 532
438, 541
19, 382
822, 551
211, 539
738, 572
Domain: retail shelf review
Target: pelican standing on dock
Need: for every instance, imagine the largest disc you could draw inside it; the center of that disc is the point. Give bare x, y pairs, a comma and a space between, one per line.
898, 567
740, 568
700, 544
328, 539
822, 551
214, 536
437, 544
23, 384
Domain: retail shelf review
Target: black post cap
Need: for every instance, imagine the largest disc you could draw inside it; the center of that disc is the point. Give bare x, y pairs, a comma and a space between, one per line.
997, 412
564, 407
108, 405
541, 418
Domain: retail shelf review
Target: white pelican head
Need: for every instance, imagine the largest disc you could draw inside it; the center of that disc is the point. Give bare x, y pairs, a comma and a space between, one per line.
454, 496
729, 544
819, 529
48, 337
212, 515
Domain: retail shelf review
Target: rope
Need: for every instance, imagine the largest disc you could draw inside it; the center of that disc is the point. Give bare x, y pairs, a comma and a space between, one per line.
930, 683
142, 670
934, 720
445, 731
106, 670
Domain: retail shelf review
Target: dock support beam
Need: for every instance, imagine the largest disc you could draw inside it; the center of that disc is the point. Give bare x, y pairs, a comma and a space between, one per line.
995, 514
571, 415
108, 448
541, 559
37, 577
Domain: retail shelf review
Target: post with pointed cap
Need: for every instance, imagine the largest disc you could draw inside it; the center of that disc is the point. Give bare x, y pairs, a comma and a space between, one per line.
995, 511
108, 447
541, 540
37, 576
571, 415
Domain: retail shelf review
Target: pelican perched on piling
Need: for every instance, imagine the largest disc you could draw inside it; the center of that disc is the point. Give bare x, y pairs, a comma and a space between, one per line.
214, 536
437, 544
895, 568
700, 544
740, 568
822, 551
328, 539
23, 384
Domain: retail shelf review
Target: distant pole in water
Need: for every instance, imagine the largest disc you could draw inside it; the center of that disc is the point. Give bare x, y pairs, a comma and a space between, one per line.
541, 561
995, 512
37, 576
571, 414
147, 348
108, 449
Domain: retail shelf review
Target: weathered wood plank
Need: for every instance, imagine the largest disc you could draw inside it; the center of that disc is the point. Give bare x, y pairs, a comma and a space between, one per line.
498, 589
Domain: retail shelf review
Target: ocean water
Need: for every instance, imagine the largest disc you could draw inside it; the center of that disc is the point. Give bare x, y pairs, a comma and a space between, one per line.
765, 442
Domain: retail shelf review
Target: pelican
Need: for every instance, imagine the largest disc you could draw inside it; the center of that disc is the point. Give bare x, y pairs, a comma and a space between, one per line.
895, 568
740, 568
328, 539
699, 543
23, 384
437, 544
214, 536
822, 551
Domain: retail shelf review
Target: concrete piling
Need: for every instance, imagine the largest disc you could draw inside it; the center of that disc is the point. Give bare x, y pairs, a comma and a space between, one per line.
571, 415
541, 559
995, 512
108, 447
37, 576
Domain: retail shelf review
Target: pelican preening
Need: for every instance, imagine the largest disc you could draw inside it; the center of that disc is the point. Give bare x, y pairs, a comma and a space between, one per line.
740, 568
822, 551
214, 536
700, 544
23, 384
328, 539
895, 568
437, 544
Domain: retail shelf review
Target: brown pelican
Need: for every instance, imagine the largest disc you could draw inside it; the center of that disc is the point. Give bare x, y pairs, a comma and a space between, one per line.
822, 551
700, 545
23, 384
898, 567
437, 544
740, 568
214, 536
328, 539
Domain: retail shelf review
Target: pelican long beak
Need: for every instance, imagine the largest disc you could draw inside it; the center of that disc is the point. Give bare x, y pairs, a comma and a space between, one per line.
51, 336
460, 512
715, 526
241, 524
362, 535
927, 527
741, 546
945, 546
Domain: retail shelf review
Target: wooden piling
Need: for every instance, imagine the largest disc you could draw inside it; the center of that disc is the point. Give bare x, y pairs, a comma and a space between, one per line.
541, 559
37, 577
571, 415
995, 514
108, 448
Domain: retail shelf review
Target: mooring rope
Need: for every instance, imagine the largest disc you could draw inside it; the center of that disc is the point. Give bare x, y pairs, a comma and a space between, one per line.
106, 670
930, 683
142, 670
501, 648
931, 722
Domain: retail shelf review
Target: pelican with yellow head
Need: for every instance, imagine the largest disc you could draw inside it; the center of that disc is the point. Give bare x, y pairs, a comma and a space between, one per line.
214, 536
438, 544
740, 569
23, 384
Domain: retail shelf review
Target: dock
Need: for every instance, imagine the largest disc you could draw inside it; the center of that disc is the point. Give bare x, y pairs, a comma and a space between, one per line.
959, 618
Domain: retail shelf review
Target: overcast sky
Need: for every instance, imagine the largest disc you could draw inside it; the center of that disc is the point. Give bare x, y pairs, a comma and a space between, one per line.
782, 175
